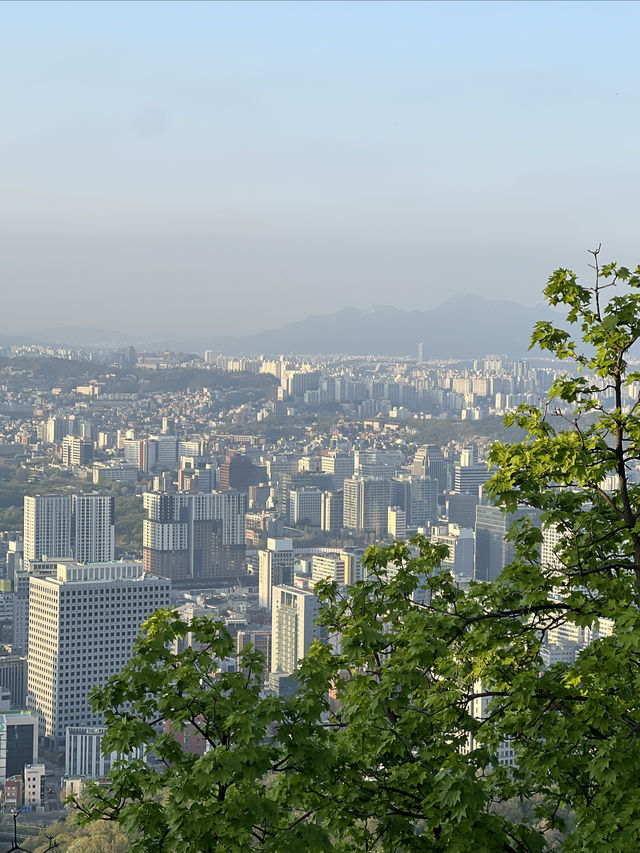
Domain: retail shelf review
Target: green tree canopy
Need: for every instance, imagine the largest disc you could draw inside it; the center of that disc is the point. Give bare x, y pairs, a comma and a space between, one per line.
393, 740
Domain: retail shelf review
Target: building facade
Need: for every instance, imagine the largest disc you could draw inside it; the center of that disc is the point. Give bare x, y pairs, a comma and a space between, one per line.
194, 534
275, 566
293, 627
82, 626
63, 527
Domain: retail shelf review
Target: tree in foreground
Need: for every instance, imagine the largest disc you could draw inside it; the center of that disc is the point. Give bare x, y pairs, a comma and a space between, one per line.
396, 759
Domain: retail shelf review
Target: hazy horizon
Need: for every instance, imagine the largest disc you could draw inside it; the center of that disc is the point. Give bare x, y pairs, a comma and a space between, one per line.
168, 333
239, 166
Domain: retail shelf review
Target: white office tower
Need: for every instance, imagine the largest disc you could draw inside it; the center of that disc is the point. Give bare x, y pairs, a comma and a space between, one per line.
93, 531
47, 527
83, 754
293, 627
331, 567
82, 625
339, 465
275, 566
62, 527
305, 505
396, 522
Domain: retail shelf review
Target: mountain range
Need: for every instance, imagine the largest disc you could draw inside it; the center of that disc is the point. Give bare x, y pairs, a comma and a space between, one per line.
463, 326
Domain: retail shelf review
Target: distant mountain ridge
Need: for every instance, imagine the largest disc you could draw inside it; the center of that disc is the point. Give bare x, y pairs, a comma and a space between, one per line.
464, 326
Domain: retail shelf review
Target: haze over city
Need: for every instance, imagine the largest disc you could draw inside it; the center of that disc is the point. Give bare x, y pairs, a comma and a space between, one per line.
235, 167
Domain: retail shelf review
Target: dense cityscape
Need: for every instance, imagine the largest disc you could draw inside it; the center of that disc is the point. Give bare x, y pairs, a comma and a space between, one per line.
223, 486
319, 427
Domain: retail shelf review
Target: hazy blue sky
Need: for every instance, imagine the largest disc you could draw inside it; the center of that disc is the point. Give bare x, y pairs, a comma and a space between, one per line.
226, 165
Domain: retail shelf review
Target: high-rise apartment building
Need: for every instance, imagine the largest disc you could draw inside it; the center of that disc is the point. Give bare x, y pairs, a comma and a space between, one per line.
275, 566
47, 527
365, 504
293, 627
62, 527
229, 531
55, 429
93, 528
194, 534
82, 625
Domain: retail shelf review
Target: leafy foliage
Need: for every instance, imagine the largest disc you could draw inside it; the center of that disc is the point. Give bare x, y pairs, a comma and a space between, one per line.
393, 739
220, 800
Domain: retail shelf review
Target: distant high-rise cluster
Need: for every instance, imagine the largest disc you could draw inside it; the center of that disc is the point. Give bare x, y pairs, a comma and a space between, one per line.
193, 534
